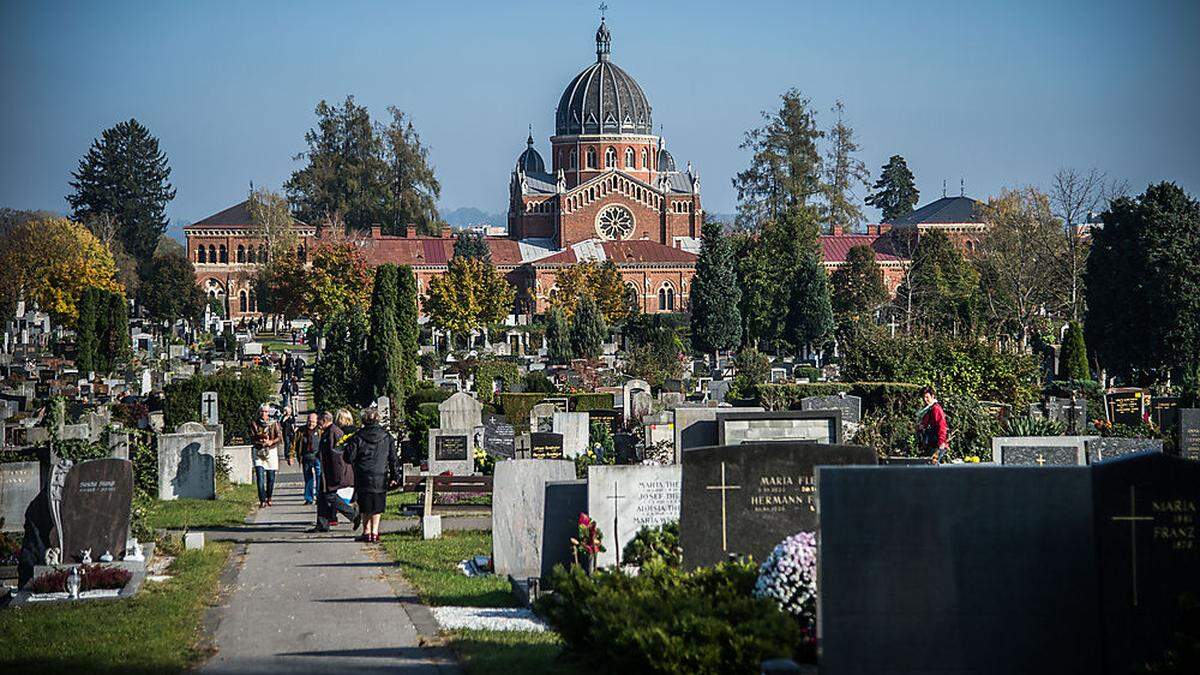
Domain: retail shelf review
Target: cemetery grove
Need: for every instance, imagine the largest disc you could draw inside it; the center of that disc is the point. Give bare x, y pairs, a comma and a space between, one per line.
850, 429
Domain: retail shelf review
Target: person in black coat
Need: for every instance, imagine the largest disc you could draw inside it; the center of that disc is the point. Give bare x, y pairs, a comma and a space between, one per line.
335, 475
372, 453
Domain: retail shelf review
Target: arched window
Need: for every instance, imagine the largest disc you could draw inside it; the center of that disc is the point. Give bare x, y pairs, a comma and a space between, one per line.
251, 256
242, 301
610, 158
224, 254
630, 159
241, 254
200, 255
666, 298
591, 158
574, 158
212, 254
300, 253
253, 300
645, 159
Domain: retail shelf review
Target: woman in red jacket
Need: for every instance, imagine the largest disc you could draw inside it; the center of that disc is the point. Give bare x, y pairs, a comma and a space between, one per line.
932, 430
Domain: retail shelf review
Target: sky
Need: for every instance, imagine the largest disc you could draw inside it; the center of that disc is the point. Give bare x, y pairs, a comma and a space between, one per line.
994, 94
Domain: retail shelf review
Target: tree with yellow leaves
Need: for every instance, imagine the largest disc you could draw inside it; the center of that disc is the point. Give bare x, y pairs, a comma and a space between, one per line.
53, 261
471, 294
601, 281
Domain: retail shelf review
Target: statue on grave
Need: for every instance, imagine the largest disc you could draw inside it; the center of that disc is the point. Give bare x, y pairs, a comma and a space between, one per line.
53, 556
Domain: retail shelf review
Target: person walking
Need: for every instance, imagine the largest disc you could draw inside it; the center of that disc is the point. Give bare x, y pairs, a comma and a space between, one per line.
336, 475
372, 453
304, 448
267, 436
932, 429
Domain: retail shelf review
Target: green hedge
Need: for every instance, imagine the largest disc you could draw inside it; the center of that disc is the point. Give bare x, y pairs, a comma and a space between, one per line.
425, 393
490, 371
517, 406
240, 391
591, 401
875, 395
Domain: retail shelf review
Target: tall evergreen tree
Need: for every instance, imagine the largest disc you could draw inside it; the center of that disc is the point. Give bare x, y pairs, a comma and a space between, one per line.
940, 287
169, 291
895, 192
338, 377
785, 169
1072, 361
408, 332
809, 315
858, 288
124, 175
104, 328
844, 173
383, 343
471, 245
86, 340
780, 252
414, 188
716, 321
117, 341
558, 338
588, 329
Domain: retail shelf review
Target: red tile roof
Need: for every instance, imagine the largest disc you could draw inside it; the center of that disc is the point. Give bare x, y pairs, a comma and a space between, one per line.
433, 250
628, 253
836, 247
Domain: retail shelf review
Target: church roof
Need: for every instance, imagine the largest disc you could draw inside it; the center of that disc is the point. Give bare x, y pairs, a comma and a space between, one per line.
944, 211
538, 183
632, 252
603, 98
238, 214
437, 251
835, 248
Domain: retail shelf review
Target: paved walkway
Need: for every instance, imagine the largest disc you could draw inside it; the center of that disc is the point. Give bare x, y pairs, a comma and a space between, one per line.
317, 603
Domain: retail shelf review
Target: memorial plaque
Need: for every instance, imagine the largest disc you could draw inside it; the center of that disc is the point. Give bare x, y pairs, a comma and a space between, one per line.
850, 406
610, 418
1111, 447
499, 437
1188, 433
1126, 406
560, 403
818, 426
745, 499
624, 499
451, 448
20, 482
544, 445
94, 511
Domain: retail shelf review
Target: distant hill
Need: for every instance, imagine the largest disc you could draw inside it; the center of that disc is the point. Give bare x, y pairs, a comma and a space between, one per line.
465, 216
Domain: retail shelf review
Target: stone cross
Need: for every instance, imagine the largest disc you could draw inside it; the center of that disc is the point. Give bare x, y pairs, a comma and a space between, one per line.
724, 488
1133, 519
616, 519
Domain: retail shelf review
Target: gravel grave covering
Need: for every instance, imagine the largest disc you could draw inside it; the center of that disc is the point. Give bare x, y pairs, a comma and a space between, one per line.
488, 618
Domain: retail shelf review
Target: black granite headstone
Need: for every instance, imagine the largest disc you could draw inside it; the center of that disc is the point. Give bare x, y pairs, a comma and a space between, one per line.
1039, 455
451, 448
1164, 412
94, 512
610, 418
1188, 433
1126, 406
545, 445
499, 437
565, 500
745, 499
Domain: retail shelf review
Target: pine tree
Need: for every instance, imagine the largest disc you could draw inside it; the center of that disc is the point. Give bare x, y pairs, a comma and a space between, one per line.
940, 288
86, 340
809, 316
414, 188
895, 192
124, 175
117, 341
858, 288
407, 330
558, 339
716, 320
588, 329
383, 344
471, 245
785, 170
1072, 361
843, 174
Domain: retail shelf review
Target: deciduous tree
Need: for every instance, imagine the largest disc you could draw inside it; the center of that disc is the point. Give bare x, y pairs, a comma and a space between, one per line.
601, 280
471, 294
844, 173
339, 279
52, 262
858, 289
938, 292
169, 291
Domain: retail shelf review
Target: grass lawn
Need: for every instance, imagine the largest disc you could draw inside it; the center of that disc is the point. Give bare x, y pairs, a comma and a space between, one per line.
397, 500
154, 632
232, 505
431, 567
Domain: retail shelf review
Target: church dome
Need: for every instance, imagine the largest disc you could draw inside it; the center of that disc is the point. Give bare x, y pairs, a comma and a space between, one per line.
531, 161
665, 161
603, 99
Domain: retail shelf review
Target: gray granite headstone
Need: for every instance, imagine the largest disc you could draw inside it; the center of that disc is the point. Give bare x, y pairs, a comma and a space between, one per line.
460, 411
718, 390
849, 405
20, 482
76, 432
518, 510
499, 437
565, 500
1188, 433
187, 466
1111, 447
118, 443
624, 499
541, 417
1040, 450
240, 461
451, 450
209, 411
818, 426
697, 427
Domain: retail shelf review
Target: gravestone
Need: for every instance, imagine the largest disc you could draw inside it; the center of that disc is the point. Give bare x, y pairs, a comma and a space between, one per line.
118, 443
240, 461
541, 417
565, 500
209, 412
1040, 450
818, 426
745, 499
1084, 576
460, 411
627, 391
640, 405
384, 405
94, 511
718, 390
518, 510
659, 428
20, 482
1111, 447
187, 465
573, 426
76, 432
697, 427
1187, 433
560, 403
1164, 413
624, 499
1126, 405
543, 445
610, 417
849, 405
451, 450
1072, 413
499, 437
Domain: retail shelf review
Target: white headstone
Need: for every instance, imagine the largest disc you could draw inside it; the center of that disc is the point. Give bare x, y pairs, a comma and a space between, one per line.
624, 499
187, 465
518, 510
575, 430
209, 412
460, 411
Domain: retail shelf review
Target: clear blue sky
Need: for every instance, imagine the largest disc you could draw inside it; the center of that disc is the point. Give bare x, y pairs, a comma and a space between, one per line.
995, 93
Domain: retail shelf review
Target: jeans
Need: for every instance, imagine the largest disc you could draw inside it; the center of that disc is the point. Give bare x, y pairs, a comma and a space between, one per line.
312, 476
265, 478
327, 504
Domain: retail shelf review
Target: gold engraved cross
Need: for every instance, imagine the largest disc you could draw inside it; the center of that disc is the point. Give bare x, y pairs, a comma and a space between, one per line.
724, 488
1041, 459
1133, 518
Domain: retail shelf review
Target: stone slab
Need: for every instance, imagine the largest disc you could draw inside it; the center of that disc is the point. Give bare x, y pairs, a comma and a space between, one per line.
818, 426
518, 510
565, 500
187, 466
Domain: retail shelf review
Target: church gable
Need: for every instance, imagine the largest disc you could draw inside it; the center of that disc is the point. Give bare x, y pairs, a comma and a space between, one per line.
602, 186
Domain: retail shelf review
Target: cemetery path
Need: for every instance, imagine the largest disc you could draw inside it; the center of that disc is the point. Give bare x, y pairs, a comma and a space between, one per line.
317, 604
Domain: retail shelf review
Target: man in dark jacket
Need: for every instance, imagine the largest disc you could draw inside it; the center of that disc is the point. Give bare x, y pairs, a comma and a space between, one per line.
372, 453
336, 474
304, 447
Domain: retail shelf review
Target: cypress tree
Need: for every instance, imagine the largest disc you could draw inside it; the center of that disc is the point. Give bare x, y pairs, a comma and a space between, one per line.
558, 341
383, 344
116, 341
86, 340
339, 377
101, 361
716, 320
407, 331
588, 329
1072, 362
809, 316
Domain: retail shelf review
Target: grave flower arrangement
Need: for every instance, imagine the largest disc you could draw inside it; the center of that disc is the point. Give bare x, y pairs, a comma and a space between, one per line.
789, 577
95, 577
588, 543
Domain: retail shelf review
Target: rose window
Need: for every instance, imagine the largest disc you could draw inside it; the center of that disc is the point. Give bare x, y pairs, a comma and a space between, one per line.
614, 222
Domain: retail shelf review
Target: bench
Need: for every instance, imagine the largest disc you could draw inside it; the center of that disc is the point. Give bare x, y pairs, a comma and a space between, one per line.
430, 486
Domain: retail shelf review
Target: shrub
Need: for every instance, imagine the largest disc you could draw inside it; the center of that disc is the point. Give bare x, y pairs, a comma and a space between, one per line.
517, 407
240, 391
488, 372
1024, 425
811, 372
426, 393
654, 545
1072, 362
537, 382
667, 621
591, 401
789, 578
